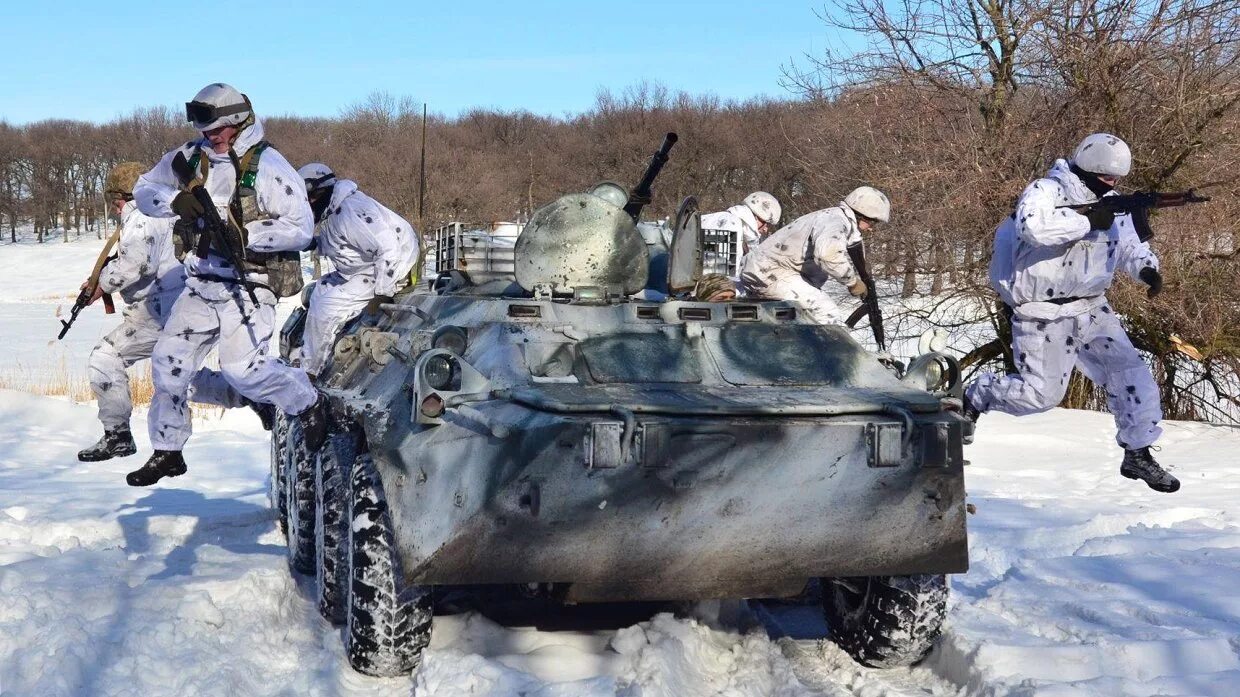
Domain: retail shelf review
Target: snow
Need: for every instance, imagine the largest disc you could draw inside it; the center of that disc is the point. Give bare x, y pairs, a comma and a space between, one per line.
1082, 582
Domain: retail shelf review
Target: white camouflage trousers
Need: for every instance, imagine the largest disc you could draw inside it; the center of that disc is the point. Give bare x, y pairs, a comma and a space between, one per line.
334, 302
242, 332
131, 342
1046, 351
820, 307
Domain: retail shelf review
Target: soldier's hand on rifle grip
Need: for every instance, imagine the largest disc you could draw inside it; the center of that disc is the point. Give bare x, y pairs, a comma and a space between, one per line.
1100, 218
188, 207
858, 289
1150, 277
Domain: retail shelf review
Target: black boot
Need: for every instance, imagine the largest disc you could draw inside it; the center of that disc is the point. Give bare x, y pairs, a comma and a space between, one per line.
163, 463
266, 413
1140, 464
117, 442
967, 409
314, 424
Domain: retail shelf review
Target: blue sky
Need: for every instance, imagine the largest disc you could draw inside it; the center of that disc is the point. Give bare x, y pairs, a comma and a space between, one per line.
94, 61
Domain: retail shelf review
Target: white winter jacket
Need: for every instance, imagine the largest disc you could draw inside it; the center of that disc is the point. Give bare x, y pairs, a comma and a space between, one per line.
814, 247
735, 219
286, 224
1046, 253
145, 263
364, 238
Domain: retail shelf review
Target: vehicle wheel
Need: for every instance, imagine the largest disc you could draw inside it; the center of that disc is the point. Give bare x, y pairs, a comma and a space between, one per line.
387, 626
299, 501
275, 487
885, 621
330, 567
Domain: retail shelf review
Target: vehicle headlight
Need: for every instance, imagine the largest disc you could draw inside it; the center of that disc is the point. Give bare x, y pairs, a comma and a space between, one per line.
451, 338
439, 372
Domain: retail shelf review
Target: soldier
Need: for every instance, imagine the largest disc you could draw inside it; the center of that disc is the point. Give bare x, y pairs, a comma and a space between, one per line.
793, 263
149, 279
255, 188
372, 248
752, 220
1053, 266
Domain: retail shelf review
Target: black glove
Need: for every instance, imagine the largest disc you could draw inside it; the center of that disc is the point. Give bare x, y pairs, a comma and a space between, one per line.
372, 307
1100, 218
1150, 277
188, 207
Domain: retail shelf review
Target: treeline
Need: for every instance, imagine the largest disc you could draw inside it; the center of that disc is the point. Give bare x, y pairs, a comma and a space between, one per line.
950, 107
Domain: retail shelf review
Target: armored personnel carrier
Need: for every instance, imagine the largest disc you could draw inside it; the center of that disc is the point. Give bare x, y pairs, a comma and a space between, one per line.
583, 426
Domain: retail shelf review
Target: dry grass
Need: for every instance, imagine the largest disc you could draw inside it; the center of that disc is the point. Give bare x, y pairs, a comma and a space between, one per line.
59, 381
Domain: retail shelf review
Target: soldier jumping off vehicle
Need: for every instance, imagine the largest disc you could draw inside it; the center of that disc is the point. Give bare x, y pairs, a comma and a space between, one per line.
149, 279
793, 263
1053, 266
372, 248
753, 220
224, 305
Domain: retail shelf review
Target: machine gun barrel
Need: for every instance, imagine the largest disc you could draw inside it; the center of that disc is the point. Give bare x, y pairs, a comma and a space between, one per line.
641, 194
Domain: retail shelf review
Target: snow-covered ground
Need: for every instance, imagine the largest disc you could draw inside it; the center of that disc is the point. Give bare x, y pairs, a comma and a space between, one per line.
1082, 583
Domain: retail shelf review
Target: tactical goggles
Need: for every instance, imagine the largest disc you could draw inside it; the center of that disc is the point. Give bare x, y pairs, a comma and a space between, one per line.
320, 182
203, 113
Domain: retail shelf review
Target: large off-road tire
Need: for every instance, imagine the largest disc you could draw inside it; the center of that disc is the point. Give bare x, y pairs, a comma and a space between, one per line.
275, 487
299, 501
331, 568
885, 621
387, 624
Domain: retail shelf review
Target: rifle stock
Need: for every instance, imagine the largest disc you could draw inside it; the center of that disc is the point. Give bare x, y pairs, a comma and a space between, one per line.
92, 284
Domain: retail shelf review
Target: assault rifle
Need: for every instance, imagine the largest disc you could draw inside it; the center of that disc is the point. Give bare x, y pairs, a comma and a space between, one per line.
641, 195
869, 304
1139, 205
92, 285
211, 224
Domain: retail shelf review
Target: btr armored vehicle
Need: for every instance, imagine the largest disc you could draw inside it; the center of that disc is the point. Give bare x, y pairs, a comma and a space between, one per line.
581, 425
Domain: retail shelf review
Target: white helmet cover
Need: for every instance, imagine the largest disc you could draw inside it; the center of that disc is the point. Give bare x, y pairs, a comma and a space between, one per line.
1103, 153
764, 207
217, 105
869, 202
317, 176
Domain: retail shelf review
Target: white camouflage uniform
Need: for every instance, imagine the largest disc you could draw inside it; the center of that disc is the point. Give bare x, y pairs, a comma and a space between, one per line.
214, 313
149, 279
373, 250
737, 219
1054, 271
796, 261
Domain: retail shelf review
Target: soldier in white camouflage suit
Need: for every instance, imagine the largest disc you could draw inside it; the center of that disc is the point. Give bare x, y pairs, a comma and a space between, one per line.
795, 262
259, 193
372, 248
1053, 266
149, 279
751, 221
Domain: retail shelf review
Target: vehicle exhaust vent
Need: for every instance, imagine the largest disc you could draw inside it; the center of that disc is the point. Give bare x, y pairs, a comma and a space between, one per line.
525, 311
694, 314
743, 312
647, 312
786, 314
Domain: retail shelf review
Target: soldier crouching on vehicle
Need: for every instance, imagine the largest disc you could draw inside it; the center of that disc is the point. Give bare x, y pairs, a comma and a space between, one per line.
372, 248
793, 263
1053, 266
752, 220
147, 275
260, 194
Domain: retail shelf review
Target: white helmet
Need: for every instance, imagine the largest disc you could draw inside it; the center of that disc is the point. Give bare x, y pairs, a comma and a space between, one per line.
1103, 153
765, 207
869, 202
317, 176
218, 105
